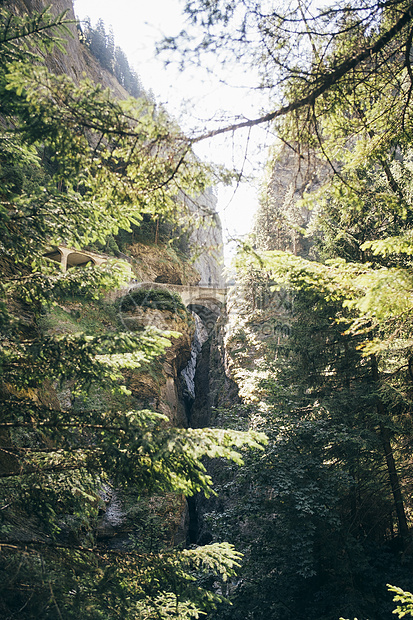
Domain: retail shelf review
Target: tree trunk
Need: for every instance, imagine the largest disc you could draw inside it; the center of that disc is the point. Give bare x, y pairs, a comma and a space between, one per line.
390, 461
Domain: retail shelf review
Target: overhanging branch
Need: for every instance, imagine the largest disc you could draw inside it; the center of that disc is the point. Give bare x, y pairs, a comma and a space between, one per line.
330, 79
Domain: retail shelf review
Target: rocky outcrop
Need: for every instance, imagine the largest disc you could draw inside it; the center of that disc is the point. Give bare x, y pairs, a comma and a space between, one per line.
206, 240
281, 220
160, 263
158, 387
161, 389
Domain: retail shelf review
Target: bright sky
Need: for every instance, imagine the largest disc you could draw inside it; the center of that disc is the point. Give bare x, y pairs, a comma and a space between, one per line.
193, 96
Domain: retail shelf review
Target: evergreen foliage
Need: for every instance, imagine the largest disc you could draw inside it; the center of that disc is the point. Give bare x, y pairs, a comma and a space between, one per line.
321, 349
324, 516
77, 166
311, 60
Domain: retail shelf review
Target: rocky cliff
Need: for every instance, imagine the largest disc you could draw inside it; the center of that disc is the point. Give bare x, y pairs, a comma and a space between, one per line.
77, 62
281, 222
106, 473
206, 240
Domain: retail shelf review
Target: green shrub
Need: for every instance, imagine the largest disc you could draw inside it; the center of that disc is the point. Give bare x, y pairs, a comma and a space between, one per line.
159, 299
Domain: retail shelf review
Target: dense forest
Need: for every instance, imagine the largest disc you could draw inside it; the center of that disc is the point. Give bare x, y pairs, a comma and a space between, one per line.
298, 492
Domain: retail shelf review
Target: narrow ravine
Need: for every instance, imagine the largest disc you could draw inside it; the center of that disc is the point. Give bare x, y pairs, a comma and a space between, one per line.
197, 400
188, 374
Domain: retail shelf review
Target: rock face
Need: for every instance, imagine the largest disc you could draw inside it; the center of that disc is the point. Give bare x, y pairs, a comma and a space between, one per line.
206, 240
280, 221
150, 262
162, 390
77, 62
158, 263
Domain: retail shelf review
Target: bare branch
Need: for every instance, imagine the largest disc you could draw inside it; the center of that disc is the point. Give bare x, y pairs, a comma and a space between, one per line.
329, 80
